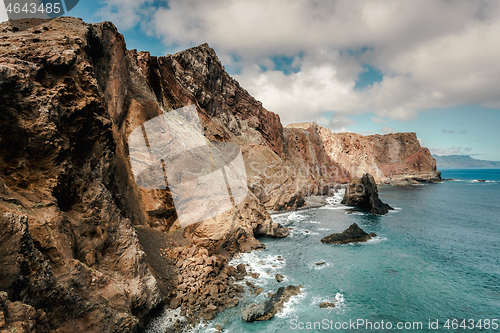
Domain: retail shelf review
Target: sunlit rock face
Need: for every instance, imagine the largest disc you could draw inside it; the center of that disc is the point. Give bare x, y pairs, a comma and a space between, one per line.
395, 158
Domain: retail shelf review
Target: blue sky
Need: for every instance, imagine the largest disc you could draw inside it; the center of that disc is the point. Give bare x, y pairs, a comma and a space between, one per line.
427, 66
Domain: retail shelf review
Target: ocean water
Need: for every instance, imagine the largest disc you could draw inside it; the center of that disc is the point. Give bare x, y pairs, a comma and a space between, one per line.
436, 257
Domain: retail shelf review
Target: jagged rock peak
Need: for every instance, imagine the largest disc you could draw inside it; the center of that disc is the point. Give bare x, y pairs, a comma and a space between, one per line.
363, 192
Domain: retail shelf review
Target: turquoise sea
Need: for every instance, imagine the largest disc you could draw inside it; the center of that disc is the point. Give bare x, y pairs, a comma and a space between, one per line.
436, 258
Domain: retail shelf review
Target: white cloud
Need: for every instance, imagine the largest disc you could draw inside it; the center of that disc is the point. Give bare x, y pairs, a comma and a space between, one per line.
305, 95
379, 120
431, 53
421, 141
388, 129
339, 122
125, 14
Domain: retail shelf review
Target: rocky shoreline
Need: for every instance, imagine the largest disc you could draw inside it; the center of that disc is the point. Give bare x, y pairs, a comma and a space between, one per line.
95, 251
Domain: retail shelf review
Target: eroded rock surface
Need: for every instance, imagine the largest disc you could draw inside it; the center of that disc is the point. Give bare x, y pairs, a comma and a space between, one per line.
395, 158
73, 216
71, 93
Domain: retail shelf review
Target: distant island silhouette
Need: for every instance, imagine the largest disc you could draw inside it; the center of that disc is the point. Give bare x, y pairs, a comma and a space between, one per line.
463, 161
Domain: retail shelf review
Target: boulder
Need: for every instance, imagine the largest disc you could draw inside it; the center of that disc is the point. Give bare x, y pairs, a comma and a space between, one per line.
350, 235
363, 193
258, 291
255, 311
268, 308
209, 313
325, 305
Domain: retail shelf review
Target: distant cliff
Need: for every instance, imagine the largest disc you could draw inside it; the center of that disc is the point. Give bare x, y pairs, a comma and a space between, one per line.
463, 161
395, 158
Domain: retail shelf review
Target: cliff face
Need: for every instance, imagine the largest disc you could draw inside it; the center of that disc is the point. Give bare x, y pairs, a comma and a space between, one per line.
395, 158
65, 189
70, 95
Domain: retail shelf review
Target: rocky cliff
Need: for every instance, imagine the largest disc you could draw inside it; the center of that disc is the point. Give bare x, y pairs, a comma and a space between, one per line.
70, 95
395, 158
83, 247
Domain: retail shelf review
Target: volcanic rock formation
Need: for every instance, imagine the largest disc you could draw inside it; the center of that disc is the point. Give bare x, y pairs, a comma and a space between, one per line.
363, 193
350, 235
395, 158
83, 247
268, 308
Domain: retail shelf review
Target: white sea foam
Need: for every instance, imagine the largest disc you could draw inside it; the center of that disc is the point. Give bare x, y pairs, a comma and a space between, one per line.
295, 217
311, 221
333, 207
376, 240
266, 266
204, 328
297, 231
338, 300
334, 202
166, 320
479, 181
291, 306
355, 213
396, 210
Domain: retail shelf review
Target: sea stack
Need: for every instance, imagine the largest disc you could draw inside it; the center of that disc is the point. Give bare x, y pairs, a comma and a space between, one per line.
363, 193
351, 235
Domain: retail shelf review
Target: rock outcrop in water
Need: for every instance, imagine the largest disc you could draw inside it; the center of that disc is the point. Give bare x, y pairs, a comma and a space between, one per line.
350, 235
363, 193
268, 308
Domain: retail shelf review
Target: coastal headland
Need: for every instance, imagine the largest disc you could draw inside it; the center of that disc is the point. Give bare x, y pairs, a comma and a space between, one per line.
84, 248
